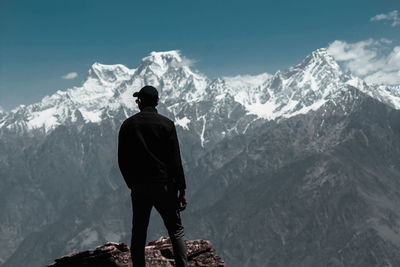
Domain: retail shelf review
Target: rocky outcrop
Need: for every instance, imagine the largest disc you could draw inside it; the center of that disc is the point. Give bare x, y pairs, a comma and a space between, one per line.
158, 254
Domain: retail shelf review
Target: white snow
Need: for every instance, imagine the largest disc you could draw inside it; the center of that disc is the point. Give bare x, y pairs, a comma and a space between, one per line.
202, 130
183, 122
220, 96
91, 116
262, 110
45, 118
309, 79
314, 106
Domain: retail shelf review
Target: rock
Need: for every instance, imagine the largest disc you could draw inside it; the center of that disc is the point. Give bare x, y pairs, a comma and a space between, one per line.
158, 254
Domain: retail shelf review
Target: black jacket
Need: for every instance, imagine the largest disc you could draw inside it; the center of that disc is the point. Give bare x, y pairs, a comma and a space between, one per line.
148, 150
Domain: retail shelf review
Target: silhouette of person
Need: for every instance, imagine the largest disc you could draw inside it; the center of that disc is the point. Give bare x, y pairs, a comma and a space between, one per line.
150, 162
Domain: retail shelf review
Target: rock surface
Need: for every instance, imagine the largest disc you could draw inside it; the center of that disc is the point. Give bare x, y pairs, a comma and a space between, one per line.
158, 254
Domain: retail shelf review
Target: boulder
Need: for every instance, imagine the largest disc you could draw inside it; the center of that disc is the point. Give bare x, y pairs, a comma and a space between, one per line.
158, 254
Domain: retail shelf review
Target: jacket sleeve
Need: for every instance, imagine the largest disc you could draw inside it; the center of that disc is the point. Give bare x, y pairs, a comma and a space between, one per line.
176, 169
123, 154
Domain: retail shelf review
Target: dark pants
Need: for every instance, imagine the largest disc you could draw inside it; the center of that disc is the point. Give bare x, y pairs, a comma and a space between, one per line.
164, 199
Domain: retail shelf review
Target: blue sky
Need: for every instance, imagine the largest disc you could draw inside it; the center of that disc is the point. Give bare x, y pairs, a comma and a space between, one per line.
42, 41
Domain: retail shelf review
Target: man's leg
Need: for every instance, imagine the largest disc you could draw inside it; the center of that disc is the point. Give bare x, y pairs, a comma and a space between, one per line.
141, 208
167, 205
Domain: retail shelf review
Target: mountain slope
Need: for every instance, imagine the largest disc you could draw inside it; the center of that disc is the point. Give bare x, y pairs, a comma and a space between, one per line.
315, 190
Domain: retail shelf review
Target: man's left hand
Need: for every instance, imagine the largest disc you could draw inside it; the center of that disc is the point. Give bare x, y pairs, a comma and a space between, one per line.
182, 203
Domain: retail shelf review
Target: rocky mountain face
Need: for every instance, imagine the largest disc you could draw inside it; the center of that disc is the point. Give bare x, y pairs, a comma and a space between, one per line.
314, 190
296, 168
159, 253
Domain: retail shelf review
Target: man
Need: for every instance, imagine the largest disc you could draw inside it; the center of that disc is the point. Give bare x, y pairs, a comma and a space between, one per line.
150, 162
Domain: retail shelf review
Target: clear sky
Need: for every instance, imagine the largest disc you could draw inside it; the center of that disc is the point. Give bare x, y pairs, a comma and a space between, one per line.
43, 41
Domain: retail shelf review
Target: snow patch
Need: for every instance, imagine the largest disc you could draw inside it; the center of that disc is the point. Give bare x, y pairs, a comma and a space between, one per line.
315, 106
202, 130
262, 110
183, 122
45, 118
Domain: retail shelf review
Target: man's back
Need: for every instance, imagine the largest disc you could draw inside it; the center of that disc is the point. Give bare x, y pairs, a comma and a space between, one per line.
148, 150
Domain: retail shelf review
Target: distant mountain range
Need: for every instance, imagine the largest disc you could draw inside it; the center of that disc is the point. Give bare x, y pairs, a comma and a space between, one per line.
299, 168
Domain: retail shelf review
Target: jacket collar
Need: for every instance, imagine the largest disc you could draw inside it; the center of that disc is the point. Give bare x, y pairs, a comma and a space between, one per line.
149, 109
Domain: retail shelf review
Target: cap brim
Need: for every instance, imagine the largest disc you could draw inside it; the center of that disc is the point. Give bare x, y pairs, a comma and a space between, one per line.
135, 94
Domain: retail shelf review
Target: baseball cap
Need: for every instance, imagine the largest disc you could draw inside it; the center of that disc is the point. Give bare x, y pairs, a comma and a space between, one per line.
148, 92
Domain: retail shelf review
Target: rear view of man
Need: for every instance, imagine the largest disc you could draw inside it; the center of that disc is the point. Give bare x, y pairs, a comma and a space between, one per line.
150, 162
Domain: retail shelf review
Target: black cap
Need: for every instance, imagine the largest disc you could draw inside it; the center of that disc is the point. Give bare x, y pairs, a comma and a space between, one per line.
148, 92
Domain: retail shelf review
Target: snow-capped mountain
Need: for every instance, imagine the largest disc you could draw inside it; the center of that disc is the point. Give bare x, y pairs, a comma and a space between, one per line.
108, 88
389, 95
297, 90
87, 102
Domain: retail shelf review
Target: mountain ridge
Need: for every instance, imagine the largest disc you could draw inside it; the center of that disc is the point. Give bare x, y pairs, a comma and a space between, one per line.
108, 88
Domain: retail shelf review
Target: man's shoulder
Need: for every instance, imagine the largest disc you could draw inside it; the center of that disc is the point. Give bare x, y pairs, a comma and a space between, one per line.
148, 118
129, 120
164, 118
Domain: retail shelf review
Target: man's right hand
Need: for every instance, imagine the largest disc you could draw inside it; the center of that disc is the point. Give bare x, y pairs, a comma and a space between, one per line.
182, 200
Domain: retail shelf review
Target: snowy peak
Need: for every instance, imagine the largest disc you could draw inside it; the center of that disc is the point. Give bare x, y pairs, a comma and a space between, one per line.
316, 68
164, 58
321, 57
86, 103
299, 89
158, 63
170, 73
109, 73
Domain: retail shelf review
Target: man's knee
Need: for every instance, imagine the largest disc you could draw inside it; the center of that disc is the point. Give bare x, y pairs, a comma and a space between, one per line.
177, 232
